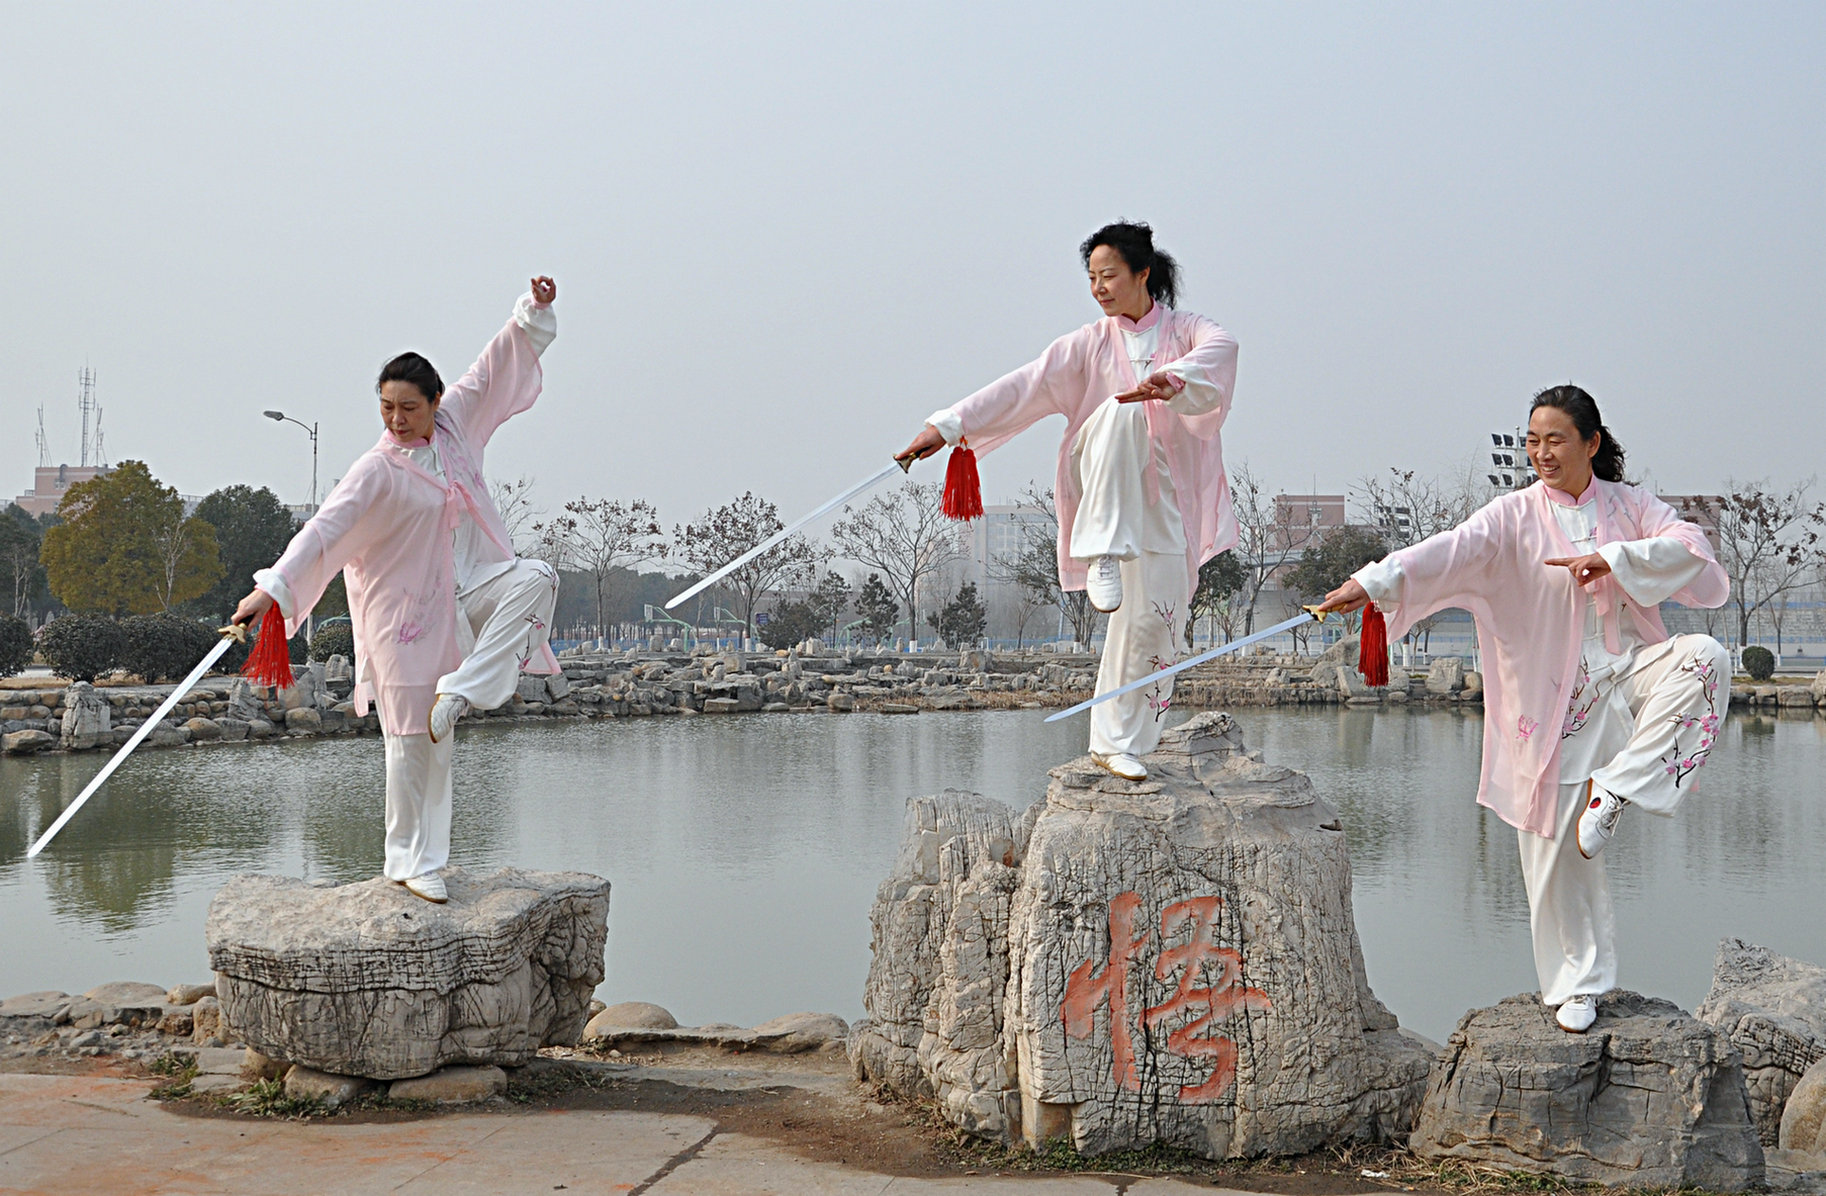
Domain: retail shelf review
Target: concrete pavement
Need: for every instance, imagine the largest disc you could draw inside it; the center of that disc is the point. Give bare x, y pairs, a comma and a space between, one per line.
92, 1134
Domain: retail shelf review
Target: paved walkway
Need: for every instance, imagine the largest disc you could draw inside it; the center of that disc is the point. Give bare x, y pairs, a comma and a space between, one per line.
81, 1134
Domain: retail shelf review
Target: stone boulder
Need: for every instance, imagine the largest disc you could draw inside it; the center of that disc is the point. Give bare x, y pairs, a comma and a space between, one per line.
367, 980
1818, 688
1649, 1096
1446, 675
1773, 1009
1804, 1118
27, 742
1172, 961
85, 718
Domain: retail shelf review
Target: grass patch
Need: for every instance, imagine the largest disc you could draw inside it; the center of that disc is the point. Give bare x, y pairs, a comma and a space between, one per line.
267, 1098
179, 1069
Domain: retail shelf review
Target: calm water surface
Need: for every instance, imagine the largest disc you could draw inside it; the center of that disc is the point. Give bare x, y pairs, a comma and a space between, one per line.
744, 852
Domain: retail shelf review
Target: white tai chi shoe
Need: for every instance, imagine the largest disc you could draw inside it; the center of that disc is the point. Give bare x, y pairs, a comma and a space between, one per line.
1578, 1013
1123, 764
444, 715
1598, 820
428, 885
1104, 586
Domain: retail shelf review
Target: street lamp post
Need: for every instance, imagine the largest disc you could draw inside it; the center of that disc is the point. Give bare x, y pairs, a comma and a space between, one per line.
312, 429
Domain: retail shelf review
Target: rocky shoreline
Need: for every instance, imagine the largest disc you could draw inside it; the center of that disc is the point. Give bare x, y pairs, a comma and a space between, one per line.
226, 709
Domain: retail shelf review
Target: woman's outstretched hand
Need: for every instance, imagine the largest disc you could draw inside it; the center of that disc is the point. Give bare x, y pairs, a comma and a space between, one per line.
1157, 387
1584, 569
928, 441
1351, 596
544, 289
252, 607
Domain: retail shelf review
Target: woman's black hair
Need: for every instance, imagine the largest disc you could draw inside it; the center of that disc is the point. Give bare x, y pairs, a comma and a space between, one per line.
1582, 409
413, 368
1134, 243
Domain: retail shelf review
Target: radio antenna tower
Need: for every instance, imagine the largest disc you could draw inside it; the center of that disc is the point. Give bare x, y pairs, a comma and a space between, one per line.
85, 401
44, 445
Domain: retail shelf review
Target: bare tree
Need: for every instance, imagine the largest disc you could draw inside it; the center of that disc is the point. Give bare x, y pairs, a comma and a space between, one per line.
726, 532
600, 536
905, 537
1035, 568
514, 500
1265, 540
1768, 542
1406, 507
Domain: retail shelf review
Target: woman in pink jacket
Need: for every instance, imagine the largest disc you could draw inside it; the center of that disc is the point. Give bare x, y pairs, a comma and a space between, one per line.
445, 616
1590, 707
1141, 492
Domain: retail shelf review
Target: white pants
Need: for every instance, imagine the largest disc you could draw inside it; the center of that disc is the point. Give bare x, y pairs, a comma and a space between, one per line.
1665, 708
508, 617
1115, 518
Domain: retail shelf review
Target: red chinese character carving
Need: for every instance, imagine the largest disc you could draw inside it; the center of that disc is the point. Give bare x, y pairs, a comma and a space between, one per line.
1227, 994
1085, 989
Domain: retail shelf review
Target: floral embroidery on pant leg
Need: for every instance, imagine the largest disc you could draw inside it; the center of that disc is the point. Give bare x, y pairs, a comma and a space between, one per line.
1680, 763
1584, 696
1160, 699
1525, 727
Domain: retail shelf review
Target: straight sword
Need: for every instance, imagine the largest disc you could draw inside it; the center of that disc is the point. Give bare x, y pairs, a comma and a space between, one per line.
230, 635
868, 483
1307, 614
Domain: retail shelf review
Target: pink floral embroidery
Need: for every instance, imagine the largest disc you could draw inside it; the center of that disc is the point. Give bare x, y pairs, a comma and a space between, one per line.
1524, 727
1681, 764
1584, 697
409, 632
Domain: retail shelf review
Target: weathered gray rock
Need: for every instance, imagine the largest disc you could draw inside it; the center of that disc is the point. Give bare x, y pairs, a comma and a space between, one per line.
1446, 675
203, 730
337, 668
1649, 1096
85, 718
367, 980
258, 1065
1817, 687
26, 742
1773, 1009
233, 729
630, 1015
120, 1003
243, 704
795, 1033
1804, 1117
451, 1086
840, 702
44, 1005
303, 720
1170, 961
206, 1022
1474, 683
307, 1083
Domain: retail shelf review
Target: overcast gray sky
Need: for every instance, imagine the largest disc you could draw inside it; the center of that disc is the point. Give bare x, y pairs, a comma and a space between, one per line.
785, 233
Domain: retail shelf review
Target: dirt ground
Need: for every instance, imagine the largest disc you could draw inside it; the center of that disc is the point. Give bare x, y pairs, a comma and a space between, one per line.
809, 1105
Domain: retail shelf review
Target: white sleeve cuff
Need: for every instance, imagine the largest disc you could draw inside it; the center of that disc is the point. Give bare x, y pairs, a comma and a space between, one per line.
1196, 396
1381, 580
270, 581
539, 320
950, 425
1653, 570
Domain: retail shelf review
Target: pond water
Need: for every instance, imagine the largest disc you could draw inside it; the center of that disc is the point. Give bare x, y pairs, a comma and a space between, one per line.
744, 852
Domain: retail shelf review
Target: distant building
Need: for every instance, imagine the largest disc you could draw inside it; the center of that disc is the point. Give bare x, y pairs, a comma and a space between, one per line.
1300, 519
51, 482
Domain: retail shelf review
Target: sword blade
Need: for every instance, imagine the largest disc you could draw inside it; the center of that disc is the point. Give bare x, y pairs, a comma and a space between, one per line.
126, 749
1222, 650
868, 483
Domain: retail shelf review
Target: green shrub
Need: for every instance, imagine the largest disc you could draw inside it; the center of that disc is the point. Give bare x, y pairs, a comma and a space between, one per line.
337, 639
15, 645
789, 624
81, 647
1759, 662
163, 647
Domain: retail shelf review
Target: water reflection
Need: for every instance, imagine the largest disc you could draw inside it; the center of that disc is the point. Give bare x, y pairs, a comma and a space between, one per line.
745, 851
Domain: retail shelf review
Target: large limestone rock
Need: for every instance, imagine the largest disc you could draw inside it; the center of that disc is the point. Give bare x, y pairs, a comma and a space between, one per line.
86, 719
1649, 1097
1446, 675
1773, 1009
368, 980
1804, 1117
1172, 961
